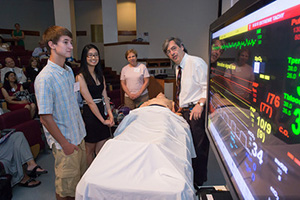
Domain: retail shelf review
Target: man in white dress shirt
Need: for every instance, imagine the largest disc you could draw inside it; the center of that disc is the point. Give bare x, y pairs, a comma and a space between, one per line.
41, 51
192, 97
10, 66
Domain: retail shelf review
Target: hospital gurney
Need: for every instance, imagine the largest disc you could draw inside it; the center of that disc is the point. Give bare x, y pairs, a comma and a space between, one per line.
149, 158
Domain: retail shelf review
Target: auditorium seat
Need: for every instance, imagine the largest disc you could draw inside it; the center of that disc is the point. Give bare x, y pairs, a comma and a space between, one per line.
21, 121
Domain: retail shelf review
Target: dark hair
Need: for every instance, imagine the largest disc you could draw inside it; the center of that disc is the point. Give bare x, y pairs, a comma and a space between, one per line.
177, 41
84, 66
130, 51
53, 33
6, 84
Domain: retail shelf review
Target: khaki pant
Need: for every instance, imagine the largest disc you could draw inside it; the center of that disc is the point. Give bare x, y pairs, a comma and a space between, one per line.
68, 170
132, 104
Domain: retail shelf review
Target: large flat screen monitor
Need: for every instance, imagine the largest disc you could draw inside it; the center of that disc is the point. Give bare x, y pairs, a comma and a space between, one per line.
253, 115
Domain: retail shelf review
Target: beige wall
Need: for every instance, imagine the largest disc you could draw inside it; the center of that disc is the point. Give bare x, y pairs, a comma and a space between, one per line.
188, 20
88, 12
126, 12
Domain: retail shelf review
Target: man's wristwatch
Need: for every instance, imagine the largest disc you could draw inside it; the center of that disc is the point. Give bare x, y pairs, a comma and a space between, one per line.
200, 104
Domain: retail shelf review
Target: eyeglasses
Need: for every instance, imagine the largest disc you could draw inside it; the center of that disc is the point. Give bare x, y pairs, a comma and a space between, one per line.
173, 48
92, 55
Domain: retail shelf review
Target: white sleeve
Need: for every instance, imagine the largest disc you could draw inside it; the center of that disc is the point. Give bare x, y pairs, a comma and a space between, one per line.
36, 52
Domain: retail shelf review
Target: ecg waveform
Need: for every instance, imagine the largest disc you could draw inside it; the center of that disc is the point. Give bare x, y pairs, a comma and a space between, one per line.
239, 44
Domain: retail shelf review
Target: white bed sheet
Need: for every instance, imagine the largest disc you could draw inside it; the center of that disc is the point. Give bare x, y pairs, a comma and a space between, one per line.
149, 158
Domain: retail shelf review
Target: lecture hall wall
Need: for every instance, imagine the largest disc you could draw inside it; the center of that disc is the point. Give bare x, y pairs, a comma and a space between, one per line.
188, 20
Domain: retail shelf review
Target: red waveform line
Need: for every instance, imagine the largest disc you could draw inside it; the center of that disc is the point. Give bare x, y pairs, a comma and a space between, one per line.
237, 77
239, 85
297, 161
221, 85
292, 157
218, 70
229, 80
224, 87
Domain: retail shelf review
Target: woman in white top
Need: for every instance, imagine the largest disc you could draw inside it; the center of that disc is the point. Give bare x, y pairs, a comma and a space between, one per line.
134, 81
241, 76
3, 46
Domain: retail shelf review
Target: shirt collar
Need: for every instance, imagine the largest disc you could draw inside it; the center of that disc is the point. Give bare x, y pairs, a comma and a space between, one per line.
182, 63
58, 68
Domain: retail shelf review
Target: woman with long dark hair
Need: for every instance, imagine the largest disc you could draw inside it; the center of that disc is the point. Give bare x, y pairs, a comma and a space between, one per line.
93, 91
9, 89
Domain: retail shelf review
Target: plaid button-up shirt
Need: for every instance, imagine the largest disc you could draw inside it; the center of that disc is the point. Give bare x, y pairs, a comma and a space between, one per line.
54, 90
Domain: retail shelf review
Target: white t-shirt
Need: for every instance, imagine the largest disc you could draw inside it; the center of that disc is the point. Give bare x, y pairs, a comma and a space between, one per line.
242, 77
134, 77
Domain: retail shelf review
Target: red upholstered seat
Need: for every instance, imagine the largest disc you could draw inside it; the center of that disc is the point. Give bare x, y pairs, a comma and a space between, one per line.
25, 60
32, 132
19, 50
21, 121
14, 118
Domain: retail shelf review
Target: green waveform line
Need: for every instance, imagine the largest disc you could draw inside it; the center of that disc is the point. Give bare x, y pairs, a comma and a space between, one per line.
239, 44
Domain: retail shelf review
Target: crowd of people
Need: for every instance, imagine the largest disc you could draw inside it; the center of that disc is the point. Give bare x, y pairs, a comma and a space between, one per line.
17, 88
76, 137
10, 89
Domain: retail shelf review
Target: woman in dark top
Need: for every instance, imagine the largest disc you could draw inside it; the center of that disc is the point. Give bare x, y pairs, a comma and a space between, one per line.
33, 69
93, 91
9, 89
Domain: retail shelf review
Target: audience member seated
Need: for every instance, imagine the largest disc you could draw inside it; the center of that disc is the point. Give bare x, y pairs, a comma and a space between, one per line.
9, 91
15, 154
41, 51
3, 46
10, 66
18, 35
33, 69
